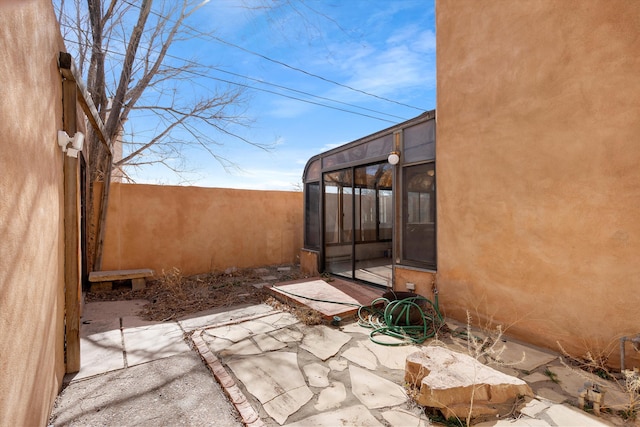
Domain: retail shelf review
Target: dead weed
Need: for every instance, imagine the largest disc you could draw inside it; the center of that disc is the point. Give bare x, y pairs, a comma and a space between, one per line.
173, 295
304, 314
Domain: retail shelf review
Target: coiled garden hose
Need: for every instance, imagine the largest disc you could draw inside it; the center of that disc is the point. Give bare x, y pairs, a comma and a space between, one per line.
403, 319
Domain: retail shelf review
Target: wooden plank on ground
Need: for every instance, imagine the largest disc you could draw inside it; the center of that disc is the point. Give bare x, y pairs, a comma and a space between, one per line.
110, 276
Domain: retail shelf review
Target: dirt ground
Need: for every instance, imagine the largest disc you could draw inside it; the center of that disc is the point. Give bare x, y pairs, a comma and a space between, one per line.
173, 295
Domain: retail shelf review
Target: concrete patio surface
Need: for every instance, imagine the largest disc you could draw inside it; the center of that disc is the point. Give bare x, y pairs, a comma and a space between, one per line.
265, 368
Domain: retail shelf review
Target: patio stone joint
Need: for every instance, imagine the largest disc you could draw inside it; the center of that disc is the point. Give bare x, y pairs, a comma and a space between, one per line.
249, 416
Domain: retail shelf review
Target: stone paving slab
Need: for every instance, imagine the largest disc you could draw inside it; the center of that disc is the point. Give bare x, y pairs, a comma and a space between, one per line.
390, 356
354, 328
332, 396
268, 343
98, 326
536, 377
551, 395
242, 348
317, 374
100, 351
352, 416
239, 331
109, 310
218, 316
135, 322
523, 357
275, 380
561, 415
323, 342
519, 422
535, 407
374, 391
543, 413
362, 356
401, 417
320, 291
287, 335
573, 380
152, 342
338, 365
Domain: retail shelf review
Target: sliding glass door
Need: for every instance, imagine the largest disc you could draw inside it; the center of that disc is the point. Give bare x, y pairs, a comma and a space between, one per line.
358, 206
338, 229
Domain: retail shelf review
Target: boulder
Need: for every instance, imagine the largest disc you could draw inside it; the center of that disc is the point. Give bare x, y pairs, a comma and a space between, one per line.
457, 384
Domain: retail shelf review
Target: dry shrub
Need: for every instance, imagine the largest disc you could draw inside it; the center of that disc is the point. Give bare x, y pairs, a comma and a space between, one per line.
173, 282
173, 295
596, 363
304, 314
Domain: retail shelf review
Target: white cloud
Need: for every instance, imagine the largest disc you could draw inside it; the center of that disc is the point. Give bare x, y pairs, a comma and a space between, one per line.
228, 16
257, 179
387, 48
425, 42
406, 61
329, 146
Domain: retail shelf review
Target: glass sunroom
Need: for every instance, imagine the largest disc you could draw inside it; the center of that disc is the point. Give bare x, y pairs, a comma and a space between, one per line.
370, 204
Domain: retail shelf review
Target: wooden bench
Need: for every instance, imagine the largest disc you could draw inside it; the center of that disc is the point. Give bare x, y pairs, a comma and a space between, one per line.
103, 280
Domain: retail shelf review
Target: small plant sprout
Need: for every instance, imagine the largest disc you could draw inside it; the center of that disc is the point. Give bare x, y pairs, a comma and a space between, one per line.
552, 375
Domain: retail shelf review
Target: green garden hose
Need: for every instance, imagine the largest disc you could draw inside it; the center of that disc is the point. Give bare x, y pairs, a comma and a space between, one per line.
412, 320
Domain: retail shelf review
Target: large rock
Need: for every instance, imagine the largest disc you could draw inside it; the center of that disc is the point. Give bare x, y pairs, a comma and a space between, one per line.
458, 384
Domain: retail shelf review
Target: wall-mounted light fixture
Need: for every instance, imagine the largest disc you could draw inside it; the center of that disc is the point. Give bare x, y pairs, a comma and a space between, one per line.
394, 157
76, 143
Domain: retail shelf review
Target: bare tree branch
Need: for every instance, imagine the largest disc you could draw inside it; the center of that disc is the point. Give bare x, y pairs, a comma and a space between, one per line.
117, 113
123, 48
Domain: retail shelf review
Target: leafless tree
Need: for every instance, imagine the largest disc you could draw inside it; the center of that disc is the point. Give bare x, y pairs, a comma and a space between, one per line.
146, 96
122, 49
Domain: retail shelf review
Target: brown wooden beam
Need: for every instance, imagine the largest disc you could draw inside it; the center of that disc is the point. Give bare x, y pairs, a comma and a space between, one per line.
68, 71
72, 256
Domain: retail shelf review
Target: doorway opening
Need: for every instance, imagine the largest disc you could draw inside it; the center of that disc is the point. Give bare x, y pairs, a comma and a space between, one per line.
358, 223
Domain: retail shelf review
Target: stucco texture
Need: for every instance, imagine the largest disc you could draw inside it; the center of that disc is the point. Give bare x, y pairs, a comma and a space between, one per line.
31, 214
199, 230
537, 165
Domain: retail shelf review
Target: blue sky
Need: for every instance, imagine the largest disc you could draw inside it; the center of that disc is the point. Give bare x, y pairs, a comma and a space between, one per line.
385, 48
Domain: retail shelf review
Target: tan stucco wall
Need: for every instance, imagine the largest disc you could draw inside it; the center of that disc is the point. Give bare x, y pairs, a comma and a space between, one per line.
422, 280
538, 150
31, 214
200, 229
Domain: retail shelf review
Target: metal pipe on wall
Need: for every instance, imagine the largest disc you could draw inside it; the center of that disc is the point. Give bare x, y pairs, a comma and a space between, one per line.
636, 345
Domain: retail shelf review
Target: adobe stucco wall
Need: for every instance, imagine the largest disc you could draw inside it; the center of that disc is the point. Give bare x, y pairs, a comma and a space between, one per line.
31, 214
199, 230
537, 163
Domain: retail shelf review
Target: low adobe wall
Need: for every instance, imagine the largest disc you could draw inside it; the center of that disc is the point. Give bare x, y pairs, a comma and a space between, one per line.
199, 230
